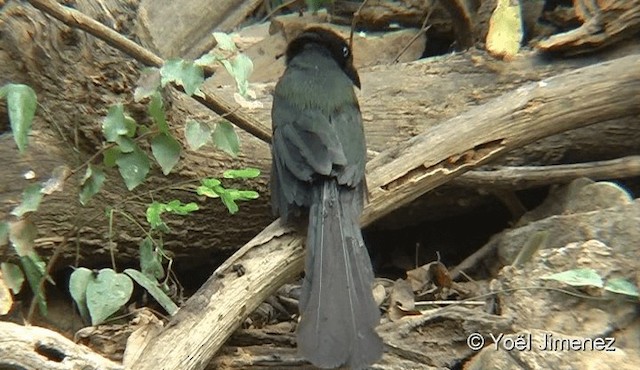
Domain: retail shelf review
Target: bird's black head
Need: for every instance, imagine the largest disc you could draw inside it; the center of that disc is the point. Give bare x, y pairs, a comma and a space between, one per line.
336, 45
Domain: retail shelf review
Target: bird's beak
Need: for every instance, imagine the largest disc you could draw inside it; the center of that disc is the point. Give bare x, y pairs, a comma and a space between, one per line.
350, 70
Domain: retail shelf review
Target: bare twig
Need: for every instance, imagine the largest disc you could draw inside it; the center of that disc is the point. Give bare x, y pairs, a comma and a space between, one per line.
354, 20
423, 29
74, 18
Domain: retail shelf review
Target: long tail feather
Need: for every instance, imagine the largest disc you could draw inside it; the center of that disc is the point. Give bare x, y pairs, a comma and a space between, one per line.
339, 314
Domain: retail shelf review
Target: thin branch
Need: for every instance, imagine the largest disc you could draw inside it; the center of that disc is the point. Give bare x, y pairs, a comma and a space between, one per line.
74, 18
526, 177
354, 21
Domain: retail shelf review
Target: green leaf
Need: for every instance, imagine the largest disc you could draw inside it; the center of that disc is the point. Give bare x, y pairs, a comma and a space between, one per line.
197, 134
12, 274
78, 283
171, 71
177, 207
206, 60
148, 83
246, 195
622, 286
207, 192
228, 66
154, 211
21, 104
31, 197
242, 67
577, 277
229, 202
150, 260
133, 168
230, 196
210, 188
34, 269
106, 294
225, 138
110, 156
131, 126
156, 111
166, 151
114, 124
224, 41
126, 144
151, 286
91, 183
193, 78
245, 173
210, 182
22, 235
187, 74
4, 233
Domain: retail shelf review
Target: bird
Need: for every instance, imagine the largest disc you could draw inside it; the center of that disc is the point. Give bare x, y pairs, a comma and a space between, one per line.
318, 171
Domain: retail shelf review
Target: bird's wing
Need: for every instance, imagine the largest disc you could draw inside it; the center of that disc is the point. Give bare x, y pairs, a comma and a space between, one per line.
306, 146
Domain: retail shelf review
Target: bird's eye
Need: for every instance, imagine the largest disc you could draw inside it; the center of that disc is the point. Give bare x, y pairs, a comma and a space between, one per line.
345, 51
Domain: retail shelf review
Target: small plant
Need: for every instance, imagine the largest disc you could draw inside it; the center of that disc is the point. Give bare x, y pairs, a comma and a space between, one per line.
100, 294
589, 277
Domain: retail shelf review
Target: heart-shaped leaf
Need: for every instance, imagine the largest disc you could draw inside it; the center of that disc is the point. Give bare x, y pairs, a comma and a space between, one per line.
78, 283
106, 294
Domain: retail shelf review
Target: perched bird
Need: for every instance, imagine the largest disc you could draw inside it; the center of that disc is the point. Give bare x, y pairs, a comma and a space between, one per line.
319, 156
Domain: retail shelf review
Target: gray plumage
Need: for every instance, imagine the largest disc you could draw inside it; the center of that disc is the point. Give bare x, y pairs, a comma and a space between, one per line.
319, 156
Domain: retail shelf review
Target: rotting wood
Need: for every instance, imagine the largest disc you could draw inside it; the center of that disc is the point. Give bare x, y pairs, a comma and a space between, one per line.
190, 341
35, 348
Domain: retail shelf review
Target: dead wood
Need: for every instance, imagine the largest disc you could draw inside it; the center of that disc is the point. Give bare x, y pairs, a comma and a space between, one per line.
571, 100
604, 23
523, 177
35, 348
395, 177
